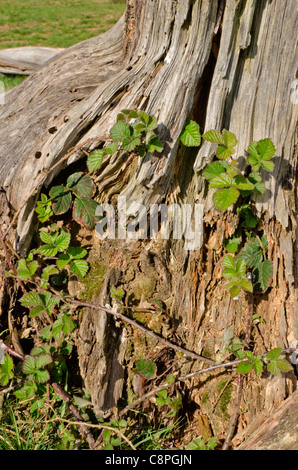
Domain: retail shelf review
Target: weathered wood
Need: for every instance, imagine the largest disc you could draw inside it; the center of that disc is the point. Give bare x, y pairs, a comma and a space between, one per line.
278, 432
173, 67
25, 60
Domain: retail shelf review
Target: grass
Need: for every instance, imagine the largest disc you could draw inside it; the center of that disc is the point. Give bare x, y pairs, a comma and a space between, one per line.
53, 23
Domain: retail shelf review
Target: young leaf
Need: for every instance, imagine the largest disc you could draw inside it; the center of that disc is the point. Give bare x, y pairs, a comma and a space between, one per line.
274, 354
228, 262
224, 152
26, 269
229, 138
214, 169
191, 136
42, 361
154, 145
283, 365
94, 160
265, 149
242, 183
224, 198
79, 267
221, 181
62, 241
120, 131
214, 136
244, 367
76, 252
41, 376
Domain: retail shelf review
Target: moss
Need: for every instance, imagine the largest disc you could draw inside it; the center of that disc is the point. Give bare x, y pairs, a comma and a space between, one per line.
225, 396
92, 282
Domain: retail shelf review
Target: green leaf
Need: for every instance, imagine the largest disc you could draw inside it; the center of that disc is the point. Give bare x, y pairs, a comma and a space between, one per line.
240, 266
265, 149
120, 131
61, 197
228, 262
41, 376
25, 270
244, 367
272, 367
223, 152
145, 368
225, 197
191, 136
30, 299
214, 136
252, 254
84, 211
42, 361
130, 143
274, 354
258, 366
214, 169
229, 273
267, 165
39, 302
94, 160
252, 149
232, 244
49, 271
229, 139
246, 285
63, 260
250, 220
234, 291
48, 250
221, 181
62, 241
28, 365
242, 183
265, 272
48, 238
76, 252
283, 365
154, 145
111, 149
79, 267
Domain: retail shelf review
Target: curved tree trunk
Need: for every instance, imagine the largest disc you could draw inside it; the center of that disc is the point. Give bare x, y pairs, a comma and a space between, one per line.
224, 64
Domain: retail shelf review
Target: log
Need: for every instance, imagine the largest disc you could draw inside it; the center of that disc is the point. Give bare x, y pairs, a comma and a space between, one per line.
278, 432
25, 60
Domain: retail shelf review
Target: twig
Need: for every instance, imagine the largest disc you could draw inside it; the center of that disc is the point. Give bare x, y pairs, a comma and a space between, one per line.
7, 257
240, 380
142, 328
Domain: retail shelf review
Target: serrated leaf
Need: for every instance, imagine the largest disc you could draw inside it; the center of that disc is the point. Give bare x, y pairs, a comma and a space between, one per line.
228, 262
229, 273
224, 152
232, 244
41, 376
229, 138
214, 136
25, 269
246, 285
244, 367
84, 211
259, 188
79, 267
28, 365
265, 272
214, 169
61, 199
82, 185
254, 162
191, 136
120, 131
240, 266
63, 260
94, 160
224, 198
7, 365
274, 354
265, 149
252, 254
130, 143
42, 361
49, 271
267, 165
234, 291
145, 368
252, 149
221, 181
242, 183
258, 367
272, 367
283, 365
154, 145
30, 299
76, 252
48, 238
62, 241
48, 250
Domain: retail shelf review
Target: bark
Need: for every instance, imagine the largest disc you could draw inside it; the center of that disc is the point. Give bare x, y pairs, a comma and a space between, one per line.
177, 61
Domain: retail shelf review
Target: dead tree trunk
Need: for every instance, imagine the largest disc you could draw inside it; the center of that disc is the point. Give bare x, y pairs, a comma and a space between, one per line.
227, 64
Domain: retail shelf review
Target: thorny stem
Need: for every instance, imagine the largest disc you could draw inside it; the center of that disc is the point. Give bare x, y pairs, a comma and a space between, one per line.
240, 380
142, 328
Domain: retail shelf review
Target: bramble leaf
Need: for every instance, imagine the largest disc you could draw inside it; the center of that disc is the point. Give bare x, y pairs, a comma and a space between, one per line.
225, 197
191, 136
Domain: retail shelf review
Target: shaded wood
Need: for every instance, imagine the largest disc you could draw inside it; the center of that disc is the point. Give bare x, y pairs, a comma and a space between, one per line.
25, 60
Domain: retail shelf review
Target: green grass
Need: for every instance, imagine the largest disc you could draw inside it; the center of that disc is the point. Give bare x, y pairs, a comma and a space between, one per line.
55, 23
